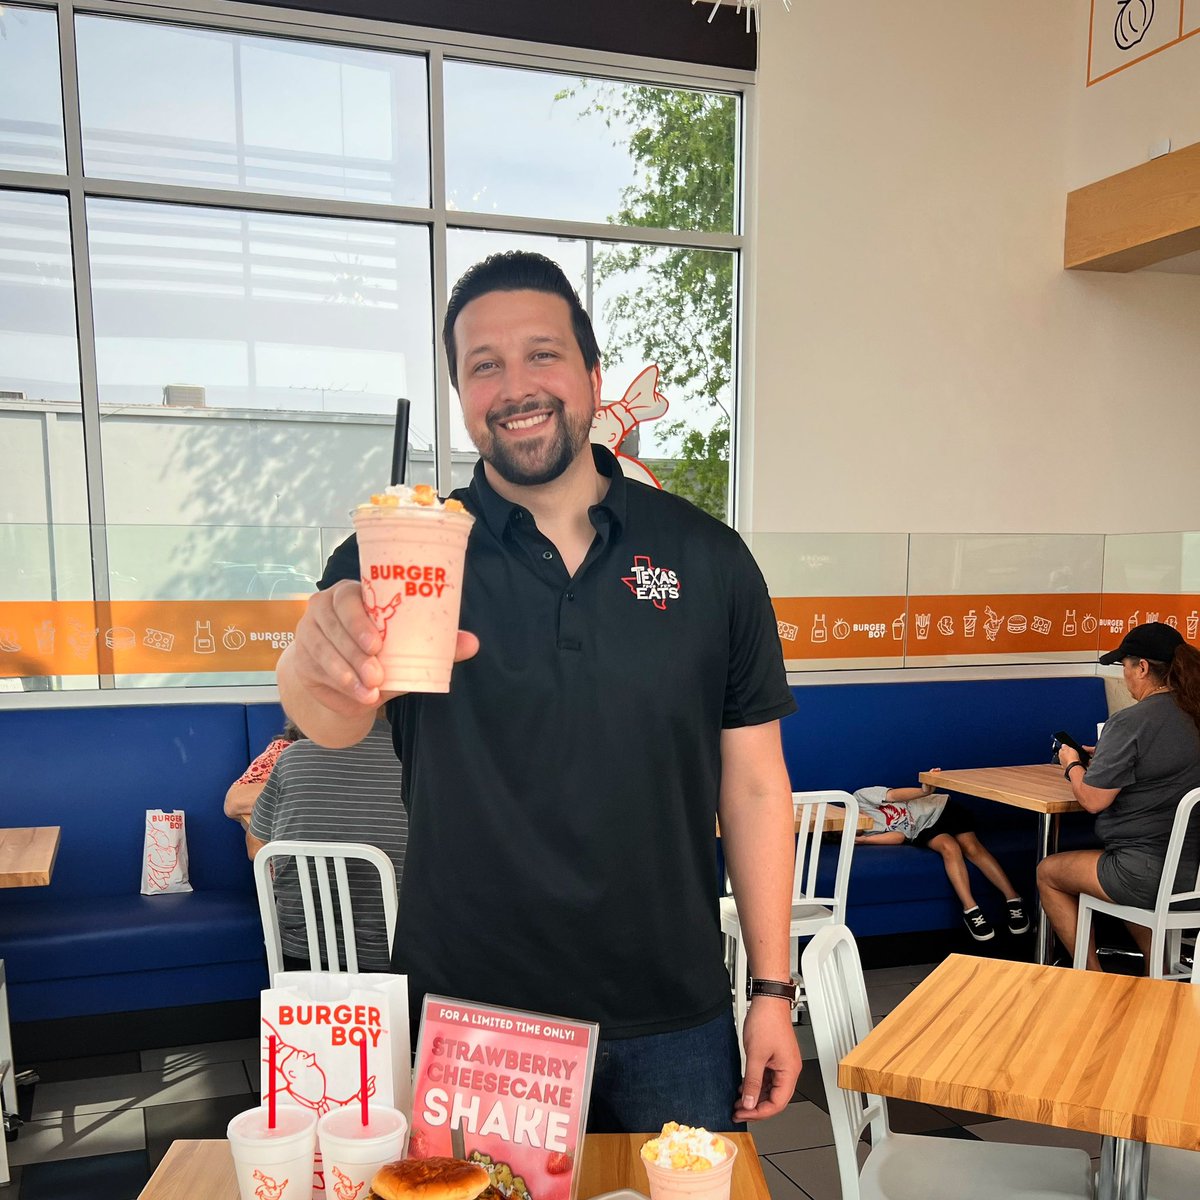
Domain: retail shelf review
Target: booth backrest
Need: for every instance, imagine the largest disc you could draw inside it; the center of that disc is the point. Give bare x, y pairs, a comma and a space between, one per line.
855, 735
95, 771
264, 723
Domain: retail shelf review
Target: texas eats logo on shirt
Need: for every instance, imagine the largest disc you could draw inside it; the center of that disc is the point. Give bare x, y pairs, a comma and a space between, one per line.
648, 582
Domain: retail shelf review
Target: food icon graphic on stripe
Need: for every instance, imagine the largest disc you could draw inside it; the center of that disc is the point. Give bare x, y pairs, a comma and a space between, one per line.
204, 642
841, 630
946, 626
1192, 622
158, 639
1173, 621
81, 638
1069, 628
922, 624
969, 623
787, 631
10, 643
44, 633
1090, 624
233, 638
991, 626
1041, 625
819, 632
898, 628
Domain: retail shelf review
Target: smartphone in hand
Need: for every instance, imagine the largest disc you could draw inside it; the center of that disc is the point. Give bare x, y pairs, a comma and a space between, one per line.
1062, 738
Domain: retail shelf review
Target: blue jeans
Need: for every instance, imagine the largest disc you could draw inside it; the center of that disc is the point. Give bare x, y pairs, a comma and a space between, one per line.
692, 1076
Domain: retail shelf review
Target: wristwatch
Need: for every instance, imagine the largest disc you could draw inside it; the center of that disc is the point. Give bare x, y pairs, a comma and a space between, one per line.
1067, 768
791, 991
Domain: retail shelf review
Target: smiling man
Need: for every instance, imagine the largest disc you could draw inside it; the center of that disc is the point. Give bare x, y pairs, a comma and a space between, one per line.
619, 684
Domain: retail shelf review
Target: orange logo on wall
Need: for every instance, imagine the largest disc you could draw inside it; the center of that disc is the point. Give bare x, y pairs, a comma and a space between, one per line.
143, 637
1022, 624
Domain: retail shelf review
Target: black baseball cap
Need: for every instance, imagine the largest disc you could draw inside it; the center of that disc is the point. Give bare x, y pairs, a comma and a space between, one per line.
1154, 641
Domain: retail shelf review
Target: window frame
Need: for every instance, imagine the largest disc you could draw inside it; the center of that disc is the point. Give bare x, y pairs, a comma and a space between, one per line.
436, 46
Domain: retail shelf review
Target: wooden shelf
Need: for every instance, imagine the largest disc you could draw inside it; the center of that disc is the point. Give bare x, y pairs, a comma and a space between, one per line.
1140, 217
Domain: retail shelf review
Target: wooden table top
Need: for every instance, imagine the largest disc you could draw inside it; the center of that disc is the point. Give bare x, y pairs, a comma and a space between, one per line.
1109, 1054
835, 820
27, 856
1039, 787
203, 1170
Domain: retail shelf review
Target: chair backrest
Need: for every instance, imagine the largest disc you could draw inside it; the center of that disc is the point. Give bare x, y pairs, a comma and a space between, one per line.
1167, 896
841, 1018
812, 810
321, 925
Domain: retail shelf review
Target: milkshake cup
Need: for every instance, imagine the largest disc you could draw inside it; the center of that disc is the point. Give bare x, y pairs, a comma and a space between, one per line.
276, 1162
411, 549
696, 1177
352, 1152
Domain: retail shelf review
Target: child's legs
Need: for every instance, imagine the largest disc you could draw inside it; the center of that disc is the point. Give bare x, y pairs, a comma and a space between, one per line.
956, 870
982, 857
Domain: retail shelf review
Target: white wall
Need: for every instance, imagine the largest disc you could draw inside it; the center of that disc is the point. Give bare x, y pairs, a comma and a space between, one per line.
922, 362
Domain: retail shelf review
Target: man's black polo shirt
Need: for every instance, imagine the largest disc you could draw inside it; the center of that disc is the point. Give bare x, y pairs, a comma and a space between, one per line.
561, 797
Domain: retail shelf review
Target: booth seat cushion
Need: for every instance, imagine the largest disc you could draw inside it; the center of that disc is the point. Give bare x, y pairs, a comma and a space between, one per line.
62, 939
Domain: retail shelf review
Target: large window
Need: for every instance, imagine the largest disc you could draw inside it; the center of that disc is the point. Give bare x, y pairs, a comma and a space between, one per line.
225, 248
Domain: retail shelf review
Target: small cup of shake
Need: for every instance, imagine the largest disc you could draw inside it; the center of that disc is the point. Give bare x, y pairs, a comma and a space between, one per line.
687, 1163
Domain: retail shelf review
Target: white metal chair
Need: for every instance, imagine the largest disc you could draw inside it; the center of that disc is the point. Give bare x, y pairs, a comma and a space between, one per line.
322, 926
904, 1166
810, 910
1164, 922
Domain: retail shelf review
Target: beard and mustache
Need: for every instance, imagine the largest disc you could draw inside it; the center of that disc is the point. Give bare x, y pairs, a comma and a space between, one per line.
535, 460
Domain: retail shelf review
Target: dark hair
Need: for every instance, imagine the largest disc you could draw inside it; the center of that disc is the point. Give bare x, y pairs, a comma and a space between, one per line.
1182, 675
518, 271
291, 731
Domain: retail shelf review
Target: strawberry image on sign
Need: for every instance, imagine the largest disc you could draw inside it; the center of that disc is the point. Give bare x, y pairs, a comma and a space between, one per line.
558, 1164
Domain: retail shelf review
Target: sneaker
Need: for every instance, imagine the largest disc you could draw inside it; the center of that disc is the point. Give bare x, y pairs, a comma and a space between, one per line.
1018, 919
978, 926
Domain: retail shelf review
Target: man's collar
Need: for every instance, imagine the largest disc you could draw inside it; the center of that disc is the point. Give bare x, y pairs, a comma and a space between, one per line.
498, 512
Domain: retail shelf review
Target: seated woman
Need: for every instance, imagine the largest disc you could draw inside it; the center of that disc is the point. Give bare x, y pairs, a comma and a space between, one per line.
246, 789
1146, 762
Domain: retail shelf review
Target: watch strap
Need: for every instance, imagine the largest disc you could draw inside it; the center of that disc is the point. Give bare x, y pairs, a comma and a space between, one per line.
778, 988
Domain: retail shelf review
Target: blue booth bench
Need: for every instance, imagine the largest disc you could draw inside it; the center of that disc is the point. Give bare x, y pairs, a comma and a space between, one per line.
849, 736
91, 944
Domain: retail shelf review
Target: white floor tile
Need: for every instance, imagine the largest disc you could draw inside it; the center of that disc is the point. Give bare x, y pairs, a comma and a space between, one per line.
79, 1096
779, 1186
78, 1137
799, 1127
185, 1058
1027, 1133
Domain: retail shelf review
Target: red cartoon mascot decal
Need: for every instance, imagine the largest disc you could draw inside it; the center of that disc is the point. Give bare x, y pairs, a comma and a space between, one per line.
613, 423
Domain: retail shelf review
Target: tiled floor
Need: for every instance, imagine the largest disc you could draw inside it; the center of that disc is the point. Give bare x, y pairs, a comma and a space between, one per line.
96, 1128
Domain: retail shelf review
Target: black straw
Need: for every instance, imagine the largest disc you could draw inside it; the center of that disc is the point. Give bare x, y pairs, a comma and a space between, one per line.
400, 442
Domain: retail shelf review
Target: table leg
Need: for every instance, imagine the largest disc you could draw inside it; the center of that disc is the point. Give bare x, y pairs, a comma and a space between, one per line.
1124, 1168
1047, 844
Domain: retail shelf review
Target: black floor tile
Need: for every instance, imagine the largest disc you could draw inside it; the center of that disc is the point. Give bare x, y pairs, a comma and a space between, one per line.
906, 1116
953, 1131
105, 1177
98, 1066
810, 1086
208, 1118
961, 1117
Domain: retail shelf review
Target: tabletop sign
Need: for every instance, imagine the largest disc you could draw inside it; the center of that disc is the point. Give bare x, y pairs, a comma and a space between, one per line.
515, 1083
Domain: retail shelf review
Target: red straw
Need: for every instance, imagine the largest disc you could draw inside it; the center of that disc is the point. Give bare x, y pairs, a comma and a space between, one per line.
362, 1071
271, 1088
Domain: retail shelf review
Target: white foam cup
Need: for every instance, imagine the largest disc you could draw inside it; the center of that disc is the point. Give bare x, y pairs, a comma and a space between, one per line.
667, 1183
274, 1162
352, 1152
